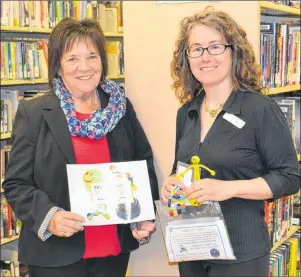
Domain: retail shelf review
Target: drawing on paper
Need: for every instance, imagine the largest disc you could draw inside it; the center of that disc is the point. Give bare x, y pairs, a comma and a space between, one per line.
122, 210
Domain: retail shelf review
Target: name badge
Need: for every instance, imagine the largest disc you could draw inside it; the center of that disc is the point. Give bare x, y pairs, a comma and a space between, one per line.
233, 119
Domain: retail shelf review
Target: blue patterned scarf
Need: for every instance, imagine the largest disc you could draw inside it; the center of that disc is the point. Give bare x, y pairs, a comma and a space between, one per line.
101, 121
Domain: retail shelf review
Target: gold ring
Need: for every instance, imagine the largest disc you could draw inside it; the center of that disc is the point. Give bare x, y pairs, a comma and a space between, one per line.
65, 235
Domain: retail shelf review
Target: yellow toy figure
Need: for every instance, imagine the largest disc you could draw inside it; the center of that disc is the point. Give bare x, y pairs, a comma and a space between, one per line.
195, 166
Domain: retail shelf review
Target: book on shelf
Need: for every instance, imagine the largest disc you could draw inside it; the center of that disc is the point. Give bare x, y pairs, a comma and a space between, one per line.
280, 53
46, 14
115, 58
5, 153
290, 107
9, 105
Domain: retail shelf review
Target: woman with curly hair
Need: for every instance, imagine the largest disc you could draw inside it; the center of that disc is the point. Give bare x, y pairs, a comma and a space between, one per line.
235, 130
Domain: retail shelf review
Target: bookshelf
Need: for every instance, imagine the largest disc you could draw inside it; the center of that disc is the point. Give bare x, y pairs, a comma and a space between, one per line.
279, 36
292, 231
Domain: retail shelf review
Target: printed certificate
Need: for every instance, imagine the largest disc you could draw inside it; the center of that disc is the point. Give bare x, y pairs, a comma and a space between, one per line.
199, 241
110, 193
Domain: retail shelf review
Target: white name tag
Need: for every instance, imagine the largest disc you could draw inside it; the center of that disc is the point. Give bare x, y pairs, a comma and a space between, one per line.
233, 119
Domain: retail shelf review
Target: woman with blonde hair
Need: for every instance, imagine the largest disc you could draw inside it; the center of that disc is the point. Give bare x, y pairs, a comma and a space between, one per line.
235, 130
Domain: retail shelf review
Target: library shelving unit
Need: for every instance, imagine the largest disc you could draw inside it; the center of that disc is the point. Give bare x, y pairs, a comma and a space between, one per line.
281, 11
275, 12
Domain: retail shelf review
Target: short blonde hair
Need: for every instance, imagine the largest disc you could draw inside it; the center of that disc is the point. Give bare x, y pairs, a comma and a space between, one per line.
246, 73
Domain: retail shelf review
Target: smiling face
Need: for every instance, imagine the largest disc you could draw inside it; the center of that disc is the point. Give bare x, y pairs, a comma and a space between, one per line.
210, 70
81, 68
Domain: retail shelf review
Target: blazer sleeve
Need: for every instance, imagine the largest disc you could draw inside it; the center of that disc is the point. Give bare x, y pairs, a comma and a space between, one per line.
143, 150
278, 152
30, 204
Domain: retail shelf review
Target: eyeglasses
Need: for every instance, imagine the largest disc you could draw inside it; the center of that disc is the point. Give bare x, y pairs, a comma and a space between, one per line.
214, 49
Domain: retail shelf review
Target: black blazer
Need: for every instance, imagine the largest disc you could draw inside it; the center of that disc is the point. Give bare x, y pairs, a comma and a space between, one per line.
36, 176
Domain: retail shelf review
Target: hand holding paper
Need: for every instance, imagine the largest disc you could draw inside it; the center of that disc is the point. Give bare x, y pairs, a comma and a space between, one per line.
145, 229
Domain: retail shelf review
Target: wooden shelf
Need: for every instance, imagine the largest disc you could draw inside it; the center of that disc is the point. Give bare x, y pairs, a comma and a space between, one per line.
45, 31
115, 77
23, 82
5, 136
7, 240
25, 30
292, 231
266, 5
109, 34
273, 91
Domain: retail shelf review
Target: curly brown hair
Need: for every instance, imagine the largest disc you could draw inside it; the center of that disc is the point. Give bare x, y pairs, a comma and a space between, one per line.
246, 73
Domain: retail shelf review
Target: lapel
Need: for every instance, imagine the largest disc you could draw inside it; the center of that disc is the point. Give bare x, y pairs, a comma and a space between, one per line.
56, 120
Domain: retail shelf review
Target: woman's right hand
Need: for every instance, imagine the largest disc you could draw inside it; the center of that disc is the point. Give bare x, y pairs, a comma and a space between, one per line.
66, 224
168, 186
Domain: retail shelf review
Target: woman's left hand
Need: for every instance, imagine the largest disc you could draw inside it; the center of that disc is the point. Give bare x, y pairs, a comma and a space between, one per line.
210, 189
145, 229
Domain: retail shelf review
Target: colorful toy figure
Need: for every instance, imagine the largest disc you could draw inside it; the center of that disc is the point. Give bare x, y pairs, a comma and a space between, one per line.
176, 203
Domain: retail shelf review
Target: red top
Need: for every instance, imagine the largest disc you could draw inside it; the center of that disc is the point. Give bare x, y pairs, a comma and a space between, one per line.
101, 241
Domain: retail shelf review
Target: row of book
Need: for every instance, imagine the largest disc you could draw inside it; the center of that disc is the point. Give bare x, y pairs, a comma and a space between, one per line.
285, 260
10, 225
278, 217
24, 60
290, 107
280, 53
28, 60
46, 14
